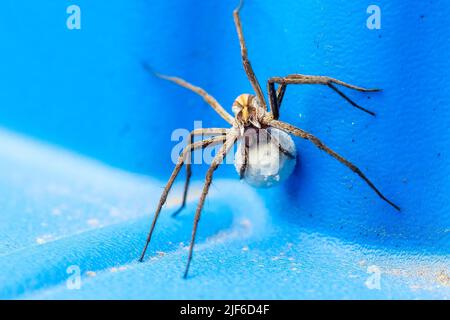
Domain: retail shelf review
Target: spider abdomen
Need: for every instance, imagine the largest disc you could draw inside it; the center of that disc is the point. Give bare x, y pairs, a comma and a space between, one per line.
271, 157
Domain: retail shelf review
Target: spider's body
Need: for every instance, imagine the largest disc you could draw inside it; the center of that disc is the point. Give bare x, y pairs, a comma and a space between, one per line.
248, 112
266, 155
253, 122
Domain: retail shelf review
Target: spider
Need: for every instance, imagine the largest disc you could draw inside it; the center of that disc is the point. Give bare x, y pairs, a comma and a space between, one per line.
250, 112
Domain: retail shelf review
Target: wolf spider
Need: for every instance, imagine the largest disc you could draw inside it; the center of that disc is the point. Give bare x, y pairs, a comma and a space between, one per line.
250, 112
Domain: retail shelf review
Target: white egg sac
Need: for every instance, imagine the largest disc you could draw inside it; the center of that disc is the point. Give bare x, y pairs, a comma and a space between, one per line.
266, 164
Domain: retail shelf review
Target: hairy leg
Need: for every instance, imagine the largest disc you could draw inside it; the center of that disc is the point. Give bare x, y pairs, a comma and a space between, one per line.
207, 97
208, 131
228, 144
181, 159
275, 98
280, 94
305, 135
275, 102
244, 157
246, 63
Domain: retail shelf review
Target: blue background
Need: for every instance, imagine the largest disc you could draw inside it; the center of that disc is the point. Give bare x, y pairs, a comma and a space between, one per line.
97, 152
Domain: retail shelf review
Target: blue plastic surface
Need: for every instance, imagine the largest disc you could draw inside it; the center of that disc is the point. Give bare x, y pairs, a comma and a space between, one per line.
315, 236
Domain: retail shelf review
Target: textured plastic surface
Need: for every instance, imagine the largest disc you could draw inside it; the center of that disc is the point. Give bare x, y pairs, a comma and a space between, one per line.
86, 91
79, 216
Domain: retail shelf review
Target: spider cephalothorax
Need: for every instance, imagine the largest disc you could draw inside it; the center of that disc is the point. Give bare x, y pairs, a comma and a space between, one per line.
251, 112
248, 111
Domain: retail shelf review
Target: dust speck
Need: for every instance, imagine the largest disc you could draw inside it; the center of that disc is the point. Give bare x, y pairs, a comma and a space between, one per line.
246, 223
44, 238
117, 269
443, 278
93, 222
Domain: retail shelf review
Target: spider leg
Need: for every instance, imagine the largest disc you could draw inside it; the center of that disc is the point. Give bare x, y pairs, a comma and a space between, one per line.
280, 93
275, 98
305, 135
246, 63
201, 92
202, 131
181, 159
244, 157
275, 102
228, 144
